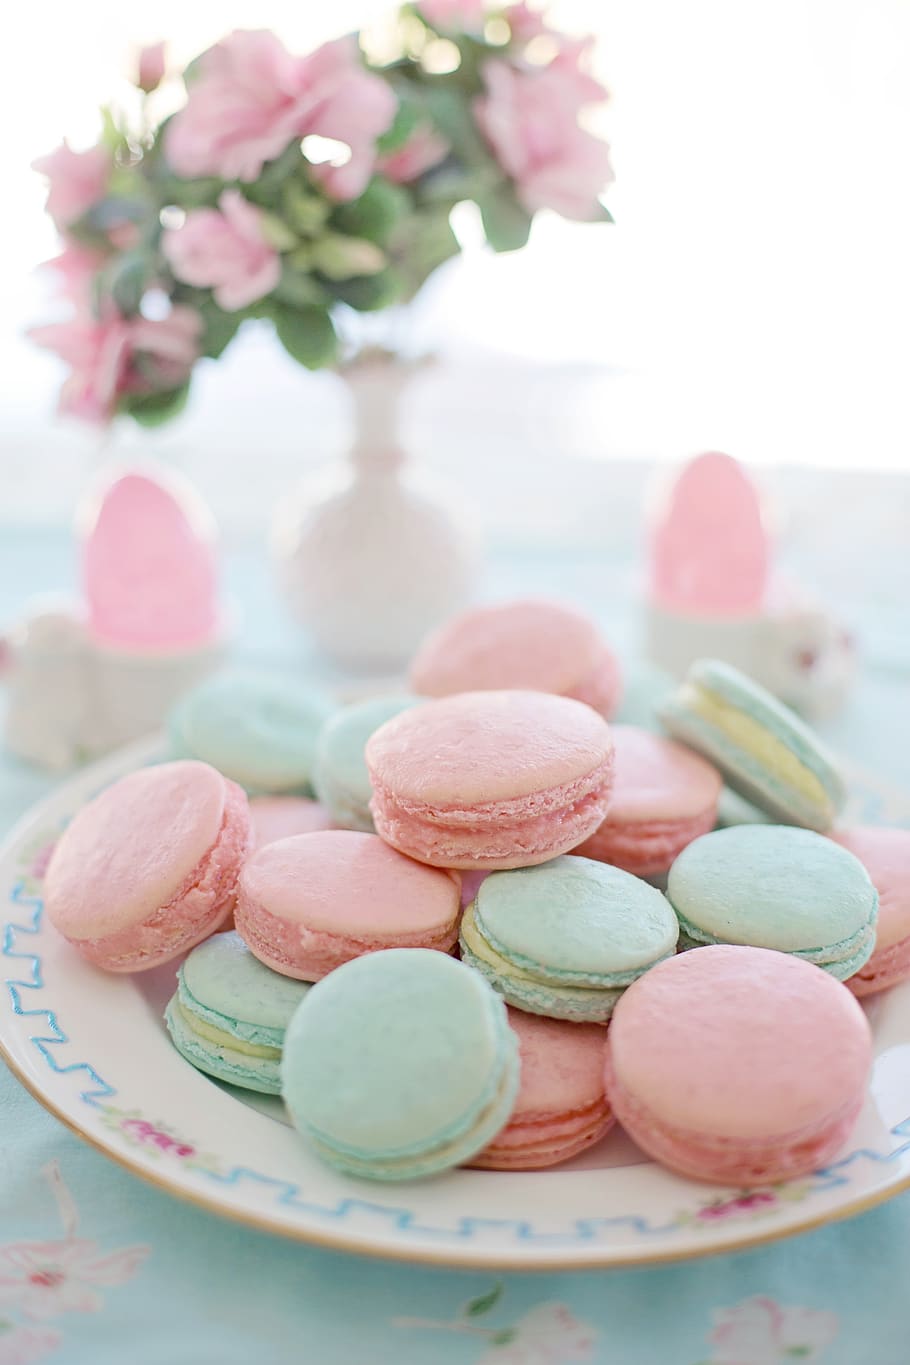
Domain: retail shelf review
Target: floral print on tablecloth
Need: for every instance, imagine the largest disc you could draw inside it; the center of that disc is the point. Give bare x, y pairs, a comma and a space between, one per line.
758, 1331
40, 1281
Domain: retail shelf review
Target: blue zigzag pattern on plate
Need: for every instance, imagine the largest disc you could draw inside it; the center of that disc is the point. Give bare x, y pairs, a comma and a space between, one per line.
290, 1195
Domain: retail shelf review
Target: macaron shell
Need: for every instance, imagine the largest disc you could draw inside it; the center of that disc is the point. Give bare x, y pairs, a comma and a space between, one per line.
340, 776
772, 886
885, 854
561, 1106
424, 1049
224, 1063
232, 987
257, 729
655, 779
580, 1004
344, 882
539, 645
479, 748
280, 817
576, 921
133, 849
740, 1043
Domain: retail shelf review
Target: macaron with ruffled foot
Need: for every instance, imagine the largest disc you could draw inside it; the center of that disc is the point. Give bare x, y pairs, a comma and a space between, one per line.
400, 1065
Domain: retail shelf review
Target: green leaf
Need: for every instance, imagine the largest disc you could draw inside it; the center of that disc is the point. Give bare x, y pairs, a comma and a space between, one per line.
266, 190
125, 281
276, 232
375, 214
798, 1352
111, 136
506, 224
451, 112
114, 210
342, 258
424, 243
477, 1307
306, 211
153, 409
503, 1338
219, 329
402, 126
298, 288
306, 334
369, 293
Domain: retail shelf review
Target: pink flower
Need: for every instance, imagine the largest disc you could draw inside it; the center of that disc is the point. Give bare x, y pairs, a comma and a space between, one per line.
111, 356
21, 1344
249, 99
547, 1335
76, 181
761, 1332
451, 15
224, 250
44, 1279
151, 67
530, 119
423, 149
525, 22
76, 266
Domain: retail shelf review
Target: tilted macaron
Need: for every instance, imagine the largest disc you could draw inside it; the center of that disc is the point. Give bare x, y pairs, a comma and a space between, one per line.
738, 1065
280, 817
490, 780
763, 750
258, 729
565, 939
400, 1064
539, 645
664, 796
309, 903
149, 867
774, 886
885, 854
229, 1015
561, 1108
340, 776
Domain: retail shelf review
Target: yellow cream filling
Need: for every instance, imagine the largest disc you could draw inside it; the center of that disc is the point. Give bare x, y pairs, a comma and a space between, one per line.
222, 1039
758, 742
485, 952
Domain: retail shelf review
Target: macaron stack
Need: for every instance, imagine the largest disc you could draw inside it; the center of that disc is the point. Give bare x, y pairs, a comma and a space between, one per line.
620, 956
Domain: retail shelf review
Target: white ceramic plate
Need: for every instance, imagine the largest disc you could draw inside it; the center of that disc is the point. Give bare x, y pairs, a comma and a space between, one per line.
93, 1049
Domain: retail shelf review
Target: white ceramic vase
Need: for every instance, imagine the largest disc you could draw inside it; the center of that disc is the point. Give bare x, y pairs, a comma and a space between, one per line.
372, 556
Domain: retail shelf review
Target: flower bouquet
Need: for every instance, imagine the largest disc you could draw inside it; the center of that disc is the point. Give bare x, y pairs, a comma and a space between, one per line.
303, 190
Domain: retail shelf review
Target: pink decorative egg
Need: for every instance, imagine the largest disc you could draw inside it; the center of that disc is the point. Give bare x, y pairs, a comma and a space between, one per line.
148, 566
709, 550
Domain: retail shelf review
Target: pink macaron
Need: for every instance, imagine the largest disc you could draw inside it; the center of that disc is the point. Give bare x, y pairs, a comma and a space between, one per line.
562, 1106
280, 817
149, 868
739, 1065
309, 903
539, 645
664, 796
490, 780
885, 854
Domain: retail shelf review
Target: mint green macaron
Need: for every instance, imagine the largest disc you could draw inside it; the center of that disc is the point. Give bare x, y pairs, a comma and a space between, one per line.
776, 886
230, 1012
340, 777
567, 937
400, 1064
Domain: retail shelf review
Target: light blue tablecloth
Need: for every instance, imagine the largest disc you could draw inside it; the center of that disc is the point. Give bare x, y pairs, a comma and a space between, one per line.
96, 1268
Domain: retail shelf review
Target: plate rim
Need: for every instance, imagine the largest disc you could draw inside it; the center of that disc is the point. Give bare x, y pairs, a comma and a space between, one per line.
468, 1256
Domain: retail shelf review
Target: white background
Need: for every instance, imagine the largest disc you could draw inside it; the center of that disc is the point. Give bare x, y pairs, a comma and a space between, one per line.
754, 295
